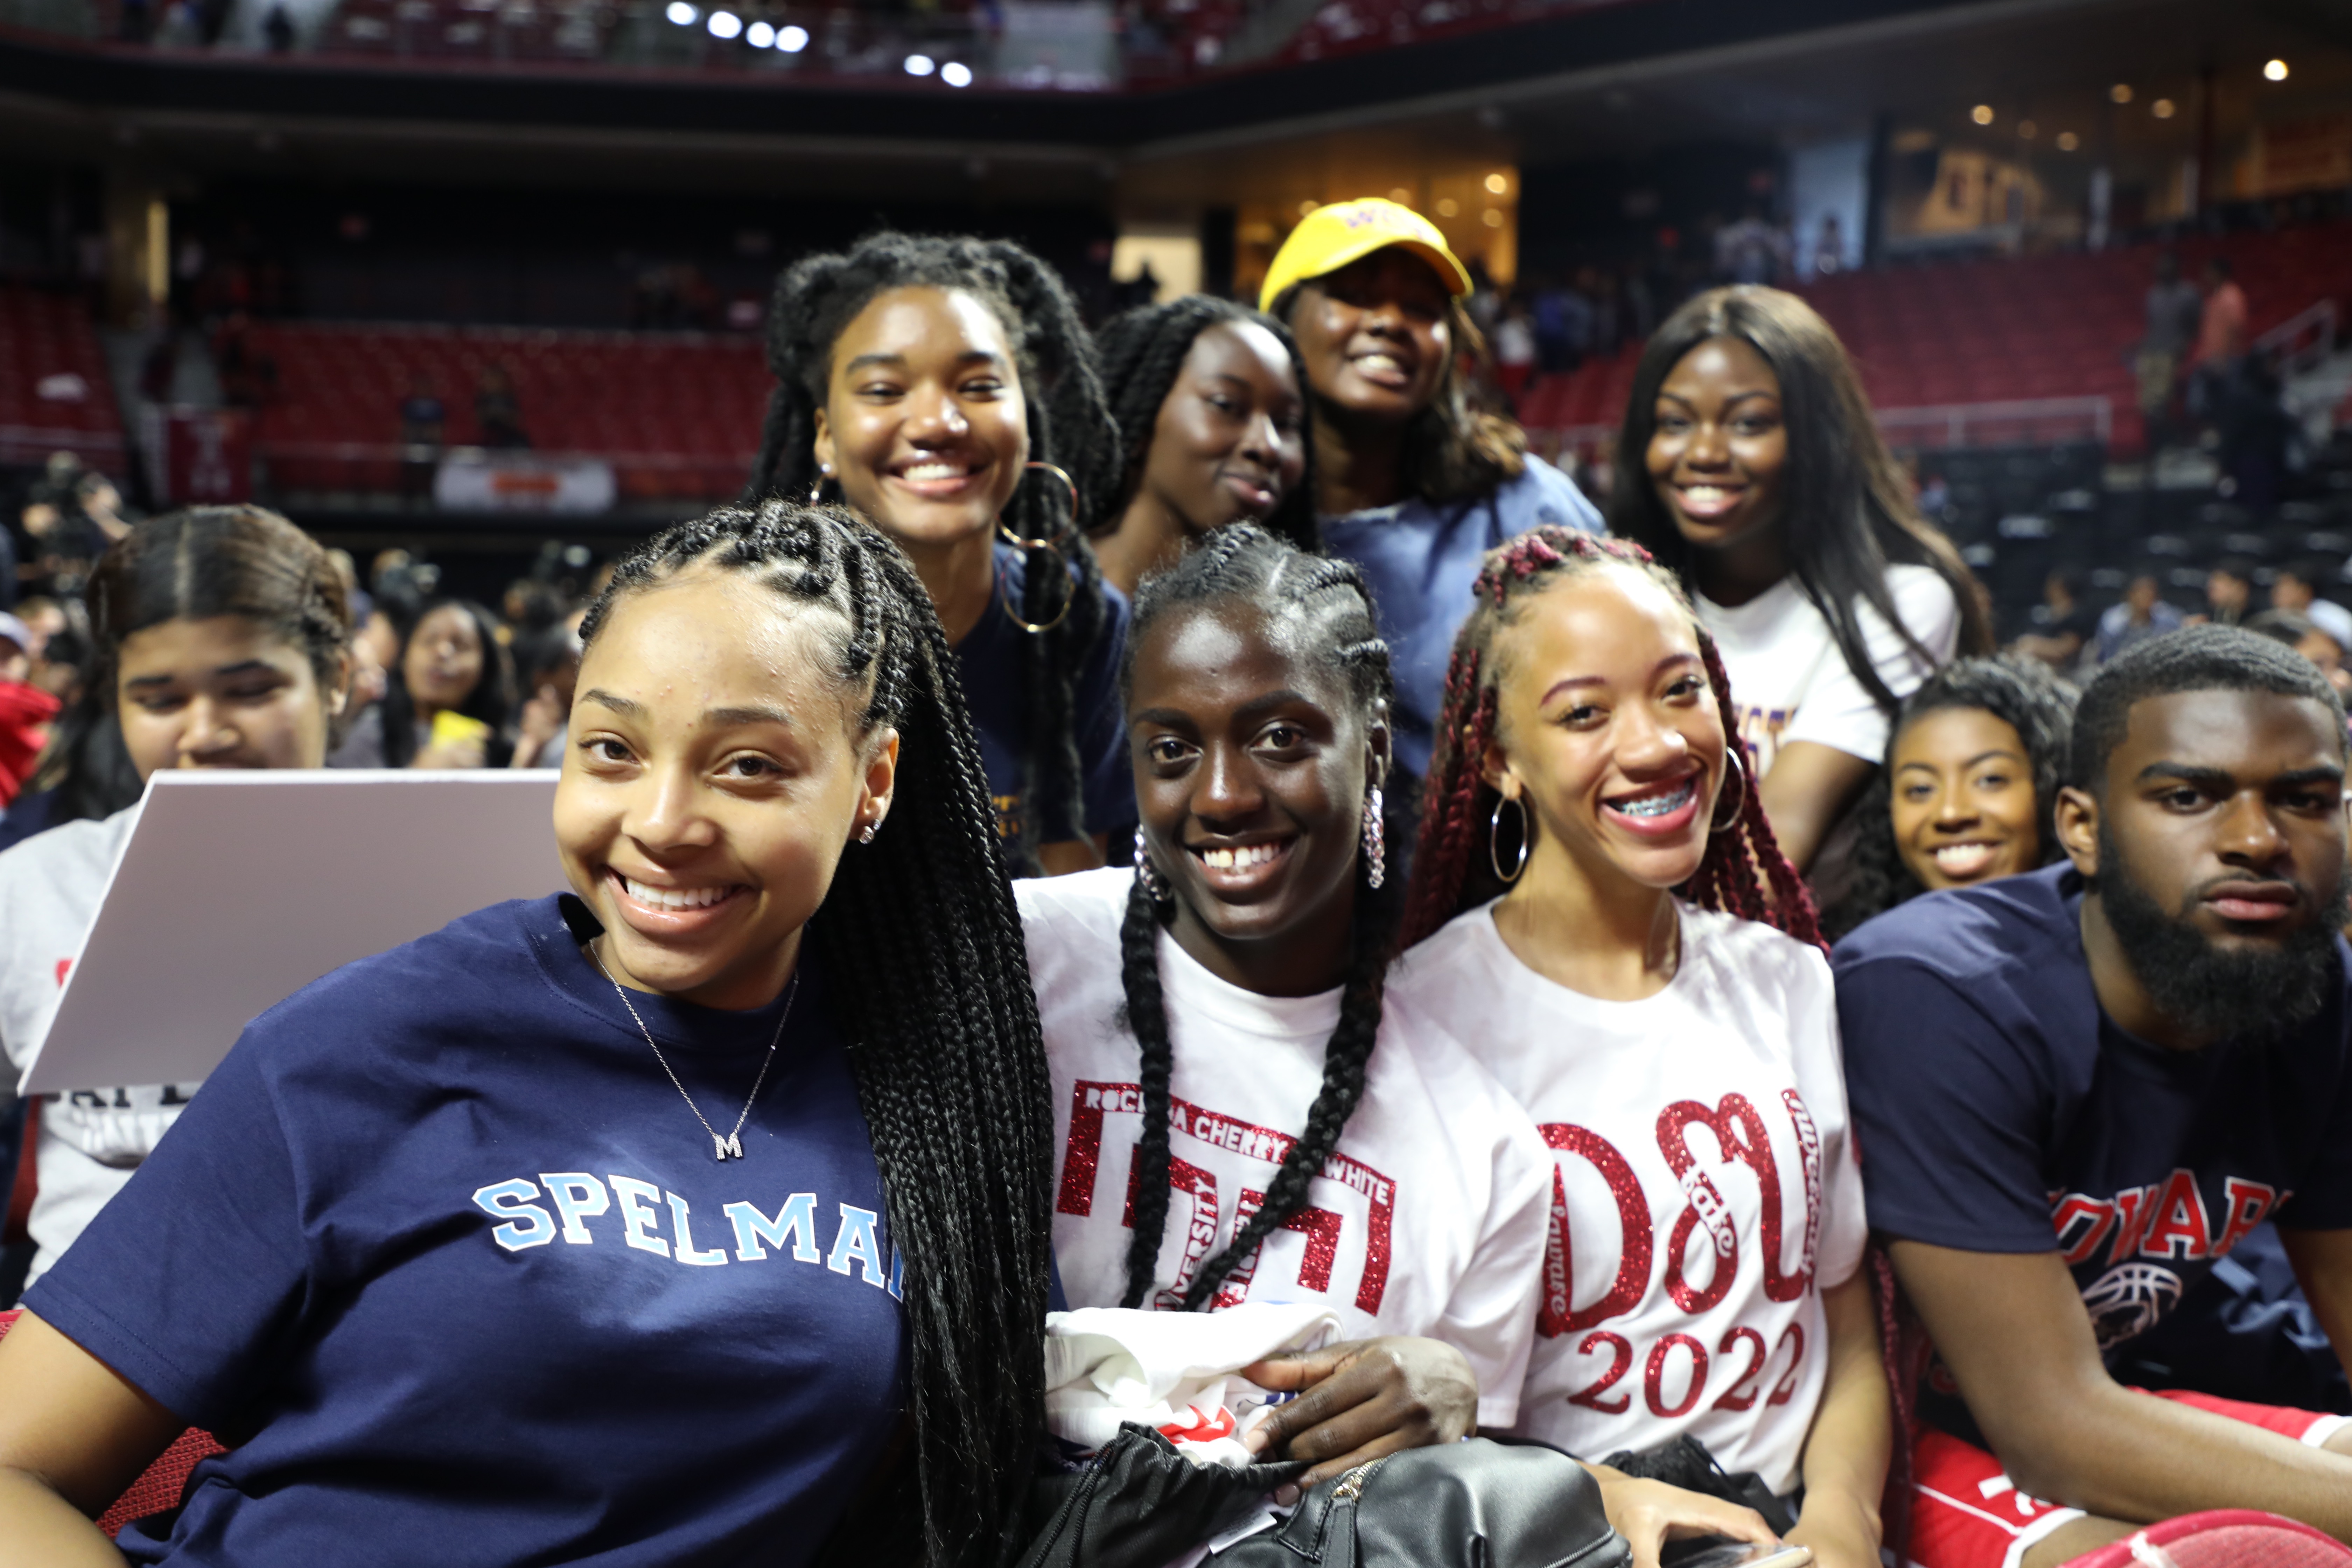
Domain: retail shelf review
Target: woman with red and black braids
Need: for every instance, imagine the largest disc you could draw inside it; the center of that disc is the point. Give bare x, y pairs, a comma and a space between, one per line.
1650, 985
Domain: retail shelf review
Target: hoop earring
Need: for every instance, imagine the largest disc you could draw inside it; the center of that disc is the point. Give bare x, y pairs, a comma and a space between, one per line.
1495, 838
1732, 769
1376, 852
1069, 593
1155, 886
1070, 484
1061, 562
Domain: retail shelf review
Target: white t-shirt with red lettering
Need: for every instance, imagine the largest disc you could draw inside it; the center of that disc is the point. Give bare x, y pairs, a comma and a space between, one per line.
1706, 1186
1428, 1219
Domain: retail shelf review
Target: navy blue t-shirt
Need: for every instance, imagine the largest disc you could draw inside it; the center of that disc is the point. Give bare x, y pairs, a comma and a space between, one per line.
441, 1252
995, 658
1999, 1109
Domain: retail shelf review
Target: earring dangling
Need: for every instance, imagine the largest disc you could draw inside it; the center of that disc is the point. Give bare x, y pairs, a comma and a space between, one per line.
1495, 838
1732, 769
1051, 547
865, 834
817, 485
1155, 886
1376, 852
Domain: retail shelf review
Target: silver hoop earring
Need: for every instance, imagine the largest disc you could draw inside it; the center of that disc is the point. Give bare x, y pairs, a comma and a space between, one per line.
1495, 838
1732, 769
1376, 852
1155, 886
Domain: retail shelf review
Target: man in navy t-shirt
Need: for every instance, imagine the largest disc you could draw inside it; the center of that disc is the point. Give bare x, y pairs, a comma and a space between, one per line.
2076, 1091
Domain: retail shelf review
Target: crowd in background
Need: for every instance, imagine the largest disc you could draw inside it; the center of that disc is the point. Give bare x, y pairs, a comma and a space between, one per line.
1276, 656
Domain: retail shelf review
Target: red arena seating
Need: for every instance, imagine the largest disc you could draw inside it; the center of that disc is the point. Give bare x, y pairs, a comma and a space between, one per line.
2055, 326
676, 413
2002, 331
161, 1483
54, 394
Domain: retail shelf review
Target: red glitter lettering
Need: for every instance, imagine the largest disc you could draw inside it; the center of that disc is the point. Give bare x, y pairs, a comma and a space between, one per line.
1654, 1376
1556, 1315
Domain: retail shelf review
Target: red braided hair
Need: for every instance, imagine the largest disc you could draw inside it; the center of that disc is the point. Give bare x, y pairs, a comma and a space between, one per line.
1743, 859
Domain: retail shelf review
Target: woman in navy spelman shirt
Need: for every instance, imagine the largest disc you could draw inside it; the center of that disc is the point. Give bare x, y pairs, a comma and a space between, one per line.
651, 1222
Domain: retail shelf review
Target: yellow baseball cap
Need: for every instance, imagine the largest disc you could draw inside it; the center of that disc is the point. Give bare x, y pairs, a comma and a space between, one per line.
1332, 237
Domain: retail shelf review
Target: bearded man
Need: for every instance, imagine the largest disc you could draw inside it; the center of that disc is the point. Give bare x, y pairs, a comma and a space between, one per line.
2075, 1091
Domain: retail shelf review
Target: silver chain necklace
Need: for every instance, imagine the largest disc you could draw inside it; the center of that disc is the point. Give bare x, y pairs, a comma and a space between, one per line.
730, 1146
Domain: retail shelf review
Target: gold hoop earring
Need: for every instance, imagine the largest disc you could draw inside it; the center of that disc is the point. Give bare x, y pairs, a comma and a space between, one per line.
1061, 562
1495, 838
1071, 485
1732, 769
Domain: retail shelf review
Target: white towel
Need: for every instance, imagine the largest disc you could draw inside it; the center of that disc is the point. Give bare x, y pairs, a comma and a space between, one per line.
1173, 1370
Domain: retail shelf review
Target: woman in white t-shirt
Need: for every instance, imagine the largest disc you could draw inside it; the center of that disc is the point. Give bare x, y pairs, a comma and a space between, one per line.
1220, 1043
223, 641
1773, 497
1677, 1051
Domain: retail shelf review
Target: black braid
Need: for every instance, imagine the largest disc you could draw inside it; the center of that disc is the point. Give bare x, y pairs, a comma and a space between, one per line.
1328, 600
1142, 351
1146, 1018
928, 973
1069, 427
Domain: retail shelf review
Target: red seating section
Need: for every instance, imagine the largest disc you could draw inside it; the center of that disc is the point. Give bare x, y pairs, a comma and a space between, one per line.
45, 336
676, 413
160, 1485
2009, 330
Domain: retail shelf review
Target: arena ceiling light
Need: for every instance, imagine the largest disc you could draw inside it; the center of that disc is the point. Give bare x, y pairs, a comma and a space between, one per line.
2120, 93
2162, 109
759, 34
2068, 141
724, 24
1498, 184
921, 65
955, 73
681, 13
792, 40
1982, 114
2274, 71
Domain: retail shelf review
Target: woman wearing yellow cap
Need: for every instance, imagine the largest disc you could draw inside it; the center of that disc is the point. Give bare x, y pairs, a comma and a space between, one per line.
1414, 484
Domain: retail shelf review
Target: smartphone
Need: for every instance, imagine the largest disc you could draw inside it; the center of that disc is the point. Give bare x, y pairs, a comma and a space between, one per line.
1749, 1555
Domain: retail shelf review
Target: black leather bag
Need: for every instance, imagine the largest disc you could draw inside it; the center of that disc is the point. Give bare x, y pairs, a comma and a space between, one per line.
1479, 1504
1475, 1504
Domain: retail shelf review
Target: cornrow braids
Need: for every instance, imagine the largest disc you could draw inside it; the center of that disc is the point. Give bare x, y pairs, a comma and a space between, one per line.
1070, 426
1328, 601
1142, 351
920, 936
1743, 871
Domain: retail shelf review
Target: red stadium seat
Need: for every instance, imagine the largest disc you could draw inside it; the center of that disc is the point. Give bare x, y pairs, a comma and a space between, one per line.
160, 1485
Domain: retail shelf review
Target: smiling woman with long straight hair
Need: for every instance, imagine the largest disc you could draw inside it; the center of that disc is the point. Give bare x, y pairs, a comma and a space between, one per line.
1749, 465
